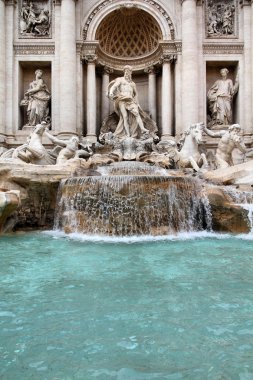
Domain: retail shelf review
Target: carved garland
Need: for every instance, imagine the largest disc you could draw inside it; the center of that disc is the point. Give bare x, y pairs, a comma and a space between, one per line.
107, 2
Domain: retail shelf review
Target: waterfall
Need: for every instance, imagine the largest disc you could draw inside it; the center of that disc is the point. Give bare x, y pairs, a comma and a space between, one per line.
243, 199
124, 205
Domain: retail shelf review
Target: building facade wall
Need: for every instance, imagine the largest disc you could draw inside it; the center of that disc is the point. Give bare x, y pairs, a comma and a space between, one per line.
191, 51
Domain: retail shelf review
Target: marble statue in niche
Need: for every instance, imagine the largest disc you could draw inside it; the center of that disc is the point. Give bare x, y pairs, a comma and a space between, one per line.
37, 99
220, 99
34, 20
123, 92
220, 18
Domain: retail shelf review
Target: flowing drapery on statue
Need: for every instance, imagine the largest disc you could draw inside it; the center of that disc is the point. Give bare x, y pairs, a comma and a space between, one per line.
37, 99
220, 98
123, 92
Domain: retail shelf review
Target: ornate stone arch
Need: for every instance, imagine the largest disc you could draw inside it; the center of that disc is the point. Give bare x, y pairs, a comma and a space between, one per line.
100, 11
153, 26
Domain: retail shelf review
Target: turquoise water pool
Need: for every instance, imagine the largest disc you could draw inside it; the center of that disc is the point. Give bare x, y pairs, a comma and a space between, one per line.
179, 308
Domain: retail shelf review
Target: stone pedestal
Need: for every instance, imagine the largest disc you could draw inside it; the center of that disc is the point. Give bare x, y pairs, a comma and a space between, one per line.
68, 68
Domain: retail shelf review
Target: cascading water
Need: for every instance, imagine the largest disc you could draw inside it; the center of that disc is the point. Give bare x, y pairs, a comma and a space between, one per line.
124, 205
243, 199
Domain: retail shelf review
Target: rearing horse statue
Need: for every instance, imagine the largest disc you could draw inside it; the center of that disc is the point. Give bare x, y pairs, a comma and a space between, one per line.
189, 155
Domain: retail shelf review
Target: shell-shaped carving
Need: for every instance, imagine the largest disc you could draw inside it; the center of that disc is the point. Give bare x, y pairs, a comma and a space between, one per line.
128, 32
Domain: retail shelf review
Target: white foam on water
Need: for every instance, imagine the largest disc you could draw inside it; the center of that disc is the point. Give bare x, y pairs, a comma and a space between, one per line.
181, 236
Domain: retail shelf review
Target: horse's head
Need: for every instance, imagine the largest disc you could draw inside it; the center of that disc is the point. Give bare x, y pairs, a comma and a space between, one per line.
196, 131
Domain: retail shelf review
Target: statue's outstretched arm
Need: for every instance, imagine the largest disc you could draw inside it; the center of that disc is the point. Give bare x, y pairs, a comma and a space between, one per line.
111, 88
213, 134
55, 140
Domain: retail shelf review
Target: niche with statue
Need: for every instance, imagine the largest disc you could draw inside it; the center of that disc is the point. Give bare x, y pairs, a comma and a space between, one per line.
35, 93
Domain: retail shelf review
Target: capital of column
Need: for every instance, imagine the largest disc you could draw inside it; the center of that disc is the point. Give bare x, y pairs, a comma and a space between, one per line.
245, 3
195, 1
107, 70
58, 2
150, 70
90, 58
10, 2
167, 58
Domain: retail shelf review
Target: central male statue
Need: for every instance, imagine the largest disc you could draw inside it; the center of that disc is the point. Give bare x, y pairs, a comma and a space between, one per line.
123, 92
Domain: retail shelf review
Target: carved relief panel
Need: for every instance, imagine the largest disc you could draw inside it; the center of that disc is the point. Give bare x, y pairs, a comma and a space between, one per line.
35, 19
221, 18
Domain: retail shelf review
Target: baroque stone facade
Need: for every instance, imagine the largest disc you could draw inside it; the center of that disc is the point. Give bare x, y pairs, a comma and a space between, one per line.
176, 50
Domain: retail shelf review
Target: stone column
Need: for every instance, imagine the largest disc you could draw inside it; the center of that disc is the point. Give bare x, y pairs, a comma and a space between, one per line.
151, 91
2, 68
68, 68
247, 102
9, 68
251, 62
167, 101
105, 100
189, 63
56, 68
91, 97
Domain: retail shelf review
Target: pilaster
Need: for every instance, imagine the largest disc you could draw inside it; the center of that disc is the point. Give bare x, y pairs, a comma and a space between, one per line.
91, 59
251, 62
9, 68
167, 101
68, 68
151, 71
189, 63
247, 67
2, 68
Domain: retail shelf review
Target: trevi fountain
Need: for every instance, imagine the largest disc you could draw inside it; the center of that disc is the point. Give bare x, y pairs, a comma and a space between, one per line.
126, 189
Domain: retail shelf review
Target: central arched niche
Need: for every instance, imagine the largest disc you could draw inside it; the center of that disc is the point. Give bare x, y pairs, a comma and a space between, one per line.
128, 33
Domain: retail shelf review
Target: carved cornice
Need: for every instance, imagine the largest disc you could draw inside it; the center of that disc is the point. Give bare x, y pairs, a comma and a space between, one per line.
151, 3
89, 51
219, 48
138, 63
34, 49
